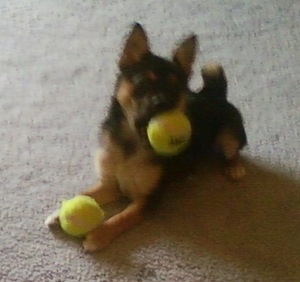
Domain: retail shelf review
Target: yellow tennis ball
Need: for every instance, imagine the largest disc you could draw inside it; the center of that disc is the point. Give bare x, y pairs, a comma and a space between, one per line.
169, 133
79, 215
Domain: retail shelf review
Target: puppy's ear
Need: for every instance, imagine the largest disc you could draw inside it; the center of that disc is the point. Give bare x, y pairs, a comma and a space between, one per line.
136, 46
184, 55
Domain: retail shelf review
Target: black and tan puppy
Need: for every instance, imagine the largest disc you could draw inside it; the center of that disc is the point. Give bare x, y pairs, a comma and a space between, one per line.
147, 85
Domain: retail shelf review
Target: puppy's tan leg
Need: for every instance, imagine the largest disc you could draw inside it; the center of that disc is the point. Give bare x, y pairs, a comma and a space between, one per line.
229, 146
235, 169
52, 219
138, 178
104, 191
101, 237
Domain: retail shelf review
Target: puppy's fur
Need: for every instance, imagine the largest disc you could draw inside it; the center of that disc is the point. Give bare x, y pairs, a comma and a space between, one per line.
147, 85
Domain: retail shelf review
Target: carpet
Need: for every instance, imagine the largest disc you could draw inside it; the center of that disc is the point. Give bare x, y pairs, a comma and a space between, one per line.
58, 64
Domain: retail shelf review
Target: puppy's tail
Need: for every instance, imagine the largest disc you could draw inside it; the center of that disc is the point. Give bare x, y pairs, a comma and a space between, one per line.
215, 81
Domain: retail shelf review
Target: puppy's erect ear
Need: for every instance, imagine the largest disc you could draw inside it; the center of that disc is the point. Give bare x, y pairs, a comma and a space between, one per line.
185, 54
136, 46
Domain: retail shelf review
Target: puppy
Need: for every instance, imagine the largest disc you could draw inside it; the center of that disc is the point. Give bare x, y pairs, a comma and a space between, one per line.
148, 85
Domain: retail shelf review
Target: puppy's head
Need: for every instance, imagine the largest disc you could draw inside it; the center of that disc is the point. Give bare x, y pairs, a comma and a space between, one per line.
149, 84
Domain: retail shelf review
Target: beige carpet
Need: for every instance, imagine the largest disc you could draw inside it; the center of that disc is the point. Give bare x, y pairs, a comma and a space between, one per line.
57, 68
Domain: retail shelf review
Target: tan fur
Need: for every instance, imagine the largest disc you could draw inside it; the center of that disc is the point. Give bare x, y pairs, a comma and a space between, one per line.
124, 93
185, 54
124, 97
135, 47
102, 236
235, 170
211, 70
182, 103
229, 146
135, 176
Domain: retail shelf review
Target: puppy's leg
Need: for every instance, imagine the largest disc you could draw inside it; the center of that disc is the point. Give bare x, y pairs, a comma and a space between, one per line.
104, 191
113, 227
52, 219
229, 145
138, 178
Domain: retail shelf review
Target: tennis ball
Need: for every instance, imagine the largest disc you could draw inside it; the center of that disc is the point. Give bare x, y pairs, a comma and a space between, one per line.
79, 215
169, 133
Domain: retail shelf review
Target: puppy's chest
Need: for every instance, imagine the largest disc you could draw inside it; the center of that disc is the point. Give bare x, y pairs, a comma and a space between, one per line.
136, 174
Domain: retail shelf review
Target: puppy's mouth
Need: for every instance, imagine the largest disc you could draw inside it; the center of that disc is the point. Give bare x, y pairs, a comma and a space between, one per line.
143, 119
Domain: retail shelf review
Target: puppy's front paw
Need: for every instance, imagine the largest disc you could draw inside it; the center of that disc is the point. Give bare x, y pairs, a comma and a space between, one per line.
235, 171
98, 239
52, 220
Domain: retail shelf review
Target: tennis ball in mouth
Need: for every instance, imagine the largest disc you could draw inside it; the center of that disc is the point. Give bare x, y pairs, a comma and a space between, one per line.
169, 133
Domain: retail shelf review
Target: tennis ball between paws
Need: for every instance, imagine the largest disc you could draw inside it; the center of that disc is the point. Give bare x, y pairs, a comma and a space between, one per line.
169, 133
79, 215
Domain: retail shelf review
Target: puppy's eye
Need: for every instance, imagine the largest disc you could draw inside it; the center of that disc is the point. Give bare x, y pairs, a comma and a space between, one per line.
142, 77
151, 75
138, 78
173, 79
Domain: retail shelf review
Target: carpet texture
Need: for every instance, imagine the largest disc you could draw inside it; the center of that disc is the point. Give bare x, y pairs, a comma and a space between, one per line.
58, 64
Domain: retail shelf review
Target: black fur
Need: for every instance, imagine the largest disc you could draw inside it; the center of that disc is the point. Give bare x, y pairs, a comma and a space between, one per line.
153, 96
209, 110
